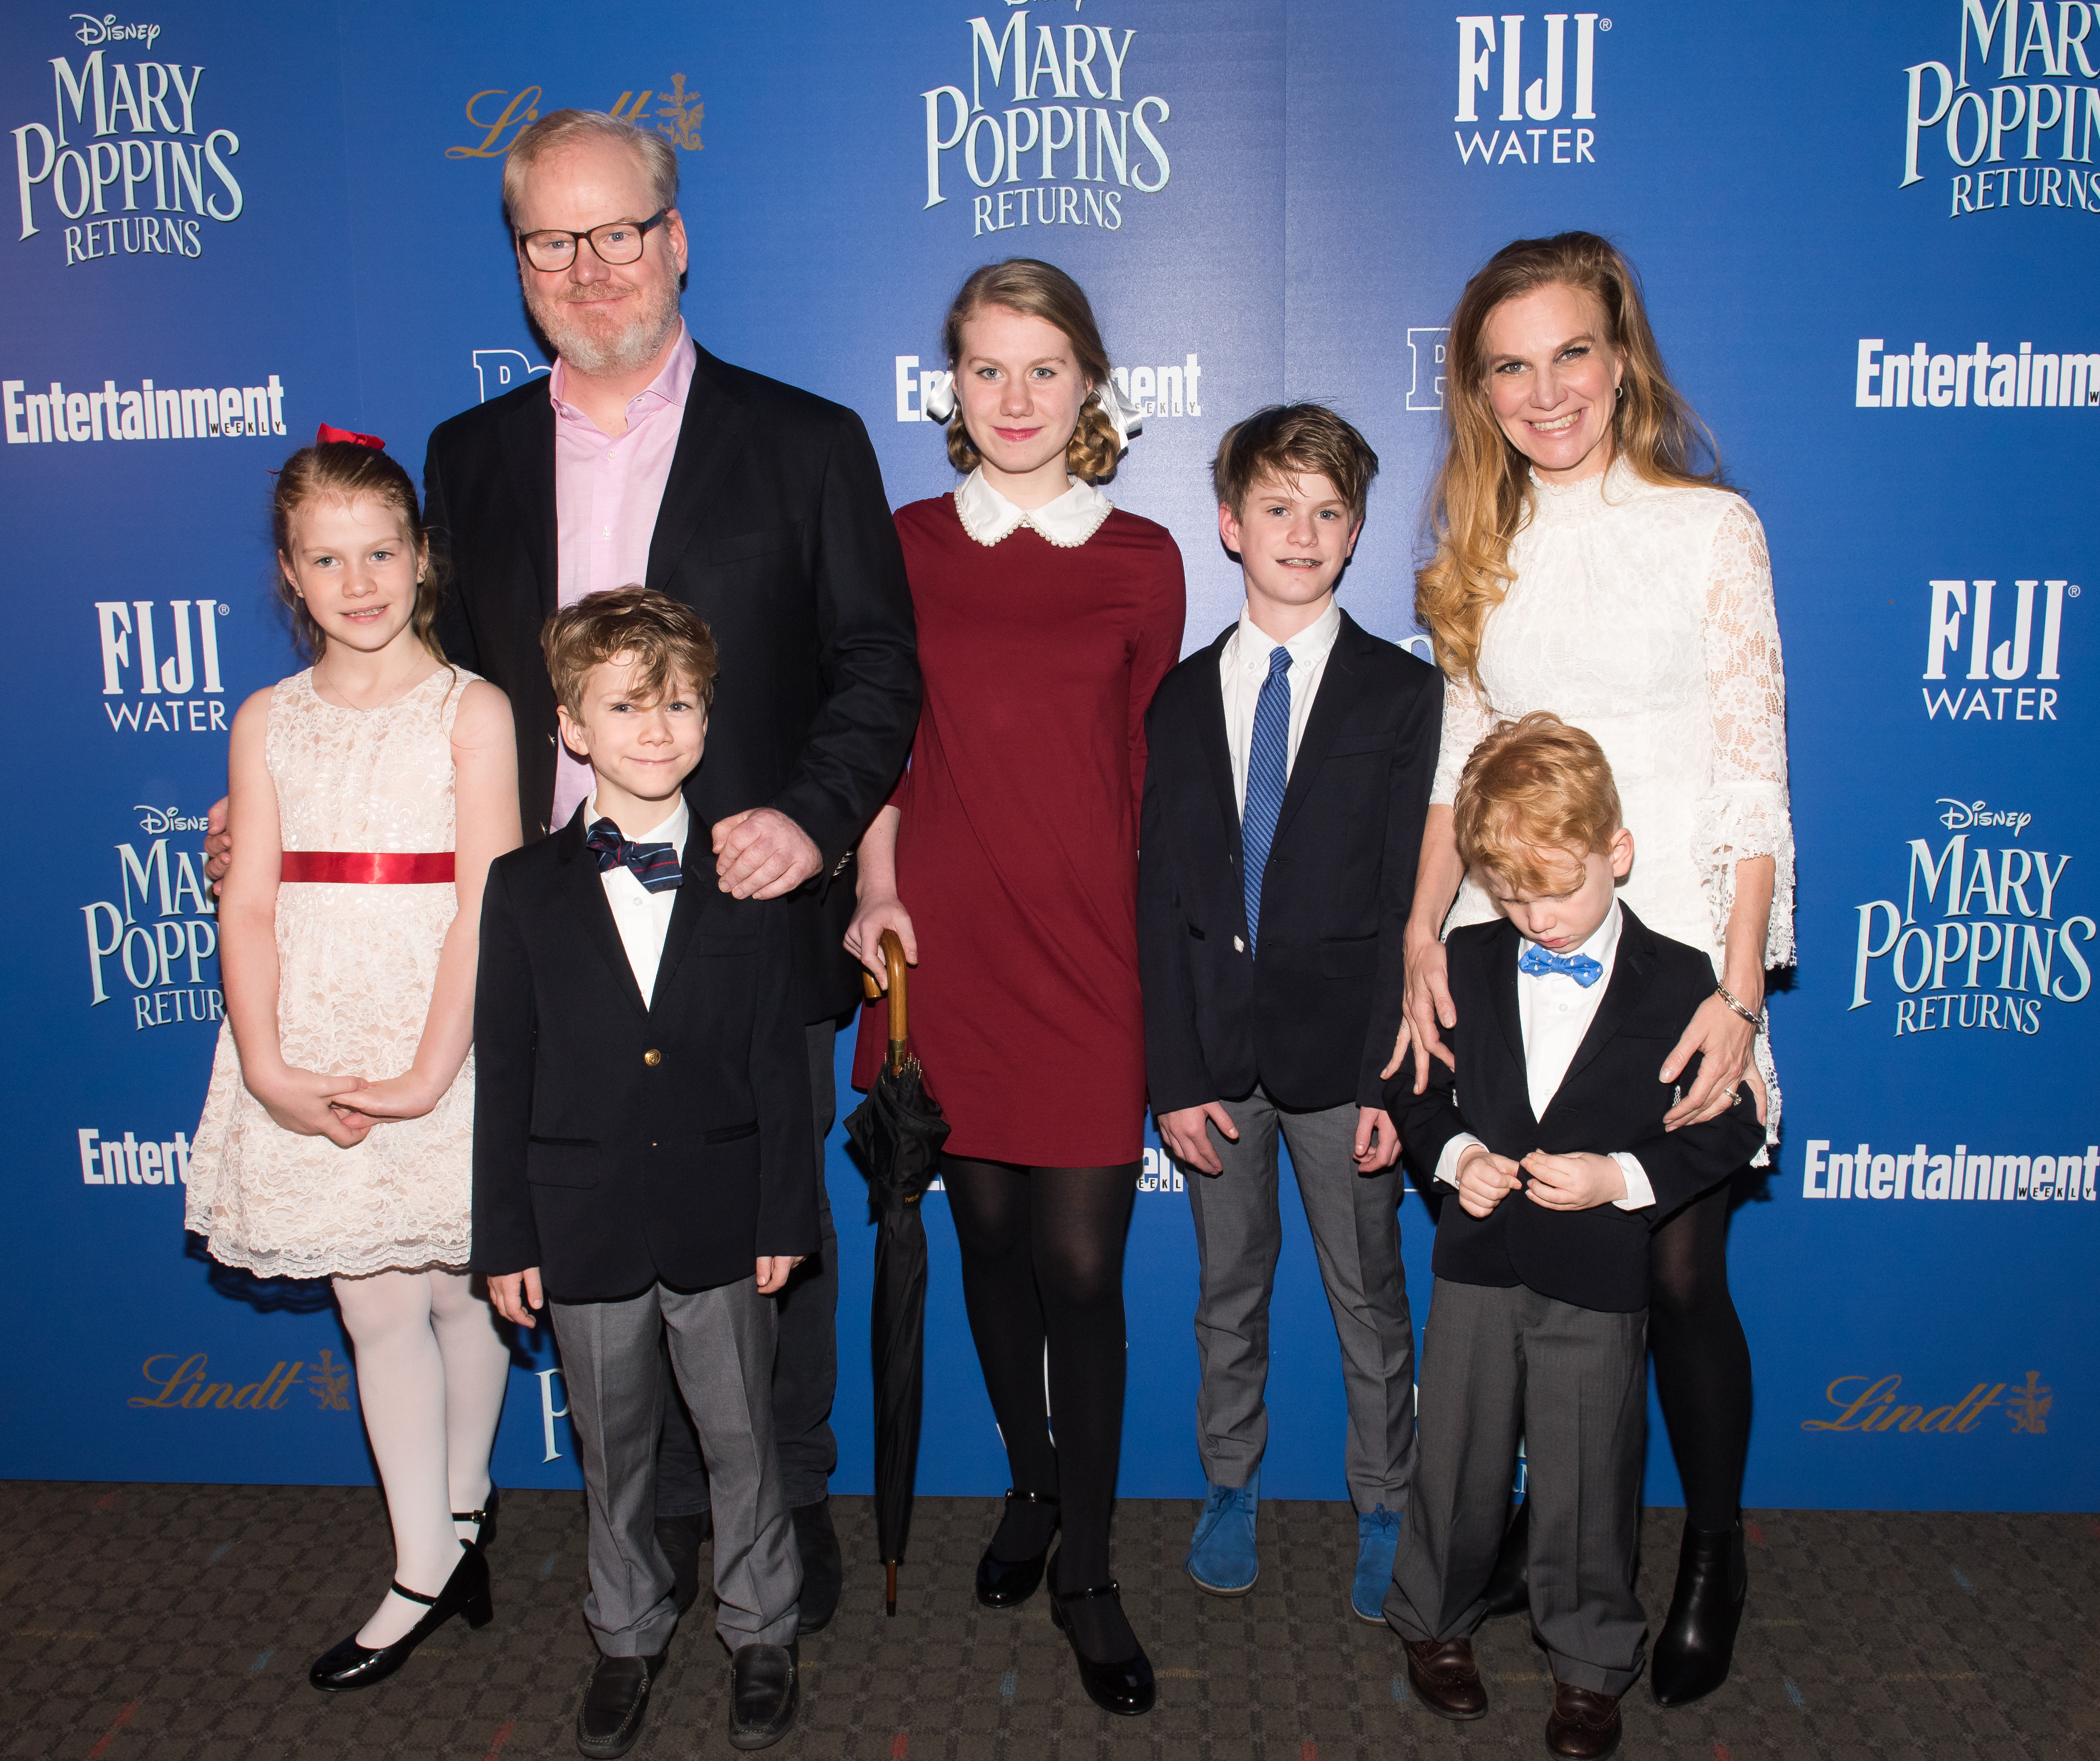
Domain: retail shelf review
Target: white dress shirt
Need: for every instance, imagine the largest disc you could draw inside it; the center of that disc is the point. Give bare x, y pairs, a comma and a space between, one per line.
642, 917
1242, 667
1554, 1012
1067, 522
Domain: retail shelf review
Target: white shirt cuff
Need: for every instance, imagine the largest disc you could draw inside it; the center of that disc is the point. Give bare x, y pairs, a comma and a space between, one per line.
1447, 1164
1640, 1194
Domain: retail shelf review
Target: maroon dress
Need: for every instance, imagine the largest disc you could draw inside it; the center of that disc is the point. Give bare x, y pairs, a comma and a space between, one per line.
1017, 856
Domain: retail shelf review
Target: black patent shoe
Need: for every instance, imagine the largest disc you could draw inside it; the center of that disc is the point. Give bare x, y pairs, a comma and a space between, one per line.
615, 1699
765, 1689
1697, 1642
1509, 1590
1124, 1687
484, 1519
1009, 1582
350, 1666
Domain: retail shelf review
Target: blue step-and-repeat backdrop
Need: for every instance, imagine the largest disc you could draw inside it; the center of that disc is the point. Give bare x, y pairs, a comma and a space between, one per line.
1869, 234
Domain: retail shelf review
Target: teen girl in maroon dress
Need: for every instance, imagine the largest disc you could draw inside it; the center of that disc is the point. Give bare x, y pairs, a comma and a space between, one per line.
1006, 861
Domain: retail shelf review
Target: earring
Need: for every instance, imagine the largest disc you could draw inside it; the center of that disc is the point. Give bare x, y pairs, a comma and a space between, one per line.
1618, 392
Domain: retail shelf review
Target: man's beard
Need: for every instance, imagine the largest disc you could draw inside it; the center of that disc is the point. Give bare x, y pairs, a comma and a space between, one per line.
603, 355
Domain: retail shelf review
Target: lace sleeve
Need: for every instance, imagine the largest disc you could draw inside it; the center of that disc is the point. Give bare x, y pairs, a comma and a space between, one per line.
1466, 719
1745, 812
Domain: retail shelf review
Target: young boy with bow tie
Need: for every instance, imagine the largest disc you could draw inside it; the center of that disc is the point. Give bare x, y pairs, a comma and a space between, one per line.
642, 1154
1550, 1135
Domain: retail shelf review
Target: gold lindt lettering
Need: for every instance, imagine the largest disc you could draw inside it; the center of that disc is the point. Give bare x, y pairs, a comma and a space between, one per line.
191, 1369
493, 143
1878, 1395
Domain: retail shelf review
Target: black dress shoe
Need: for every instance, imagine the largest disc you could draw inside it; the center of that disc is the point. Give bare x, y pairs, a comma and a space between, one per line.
350, 1666
1009, 1582
822, 1570
765, 1689
1509, 1590
1124, 1686
614, 1700
484, 1519
1445, 1677
1697, 1642
681, 1538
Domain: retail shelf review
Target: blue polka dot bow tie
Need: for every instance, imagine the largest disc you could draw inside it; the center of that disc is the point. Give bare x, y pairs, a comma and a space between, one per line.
655, 866
1536, 962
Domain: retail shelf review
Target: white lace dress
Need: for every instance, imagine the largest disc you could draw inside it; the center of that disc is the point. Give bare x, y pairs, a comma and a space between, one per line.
356, 964
1644, 615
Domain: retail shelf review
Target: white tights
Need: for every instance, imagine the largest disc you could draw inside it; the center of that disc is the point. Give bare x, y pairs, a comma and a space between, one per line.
431, 1369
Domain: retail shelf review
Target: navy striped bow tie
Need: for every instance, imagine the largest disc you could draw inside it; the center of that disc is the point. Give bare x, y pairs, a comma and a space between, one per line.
655, 866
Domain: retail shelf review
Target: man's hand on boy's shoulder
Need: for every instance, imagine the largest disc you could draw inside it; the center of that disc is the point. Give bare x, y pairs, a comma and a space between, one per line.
761, 853
1484, 1179
1580, 1182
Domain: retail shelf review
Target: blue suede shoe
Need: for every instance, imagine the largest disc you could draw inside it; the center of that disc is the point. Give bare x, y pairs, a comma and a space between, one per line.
1221, 1555
1377, 1537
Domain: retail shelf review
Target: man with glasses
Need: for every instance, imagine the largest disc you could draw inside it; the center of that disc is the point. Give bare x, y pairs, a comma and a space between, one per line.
643, 458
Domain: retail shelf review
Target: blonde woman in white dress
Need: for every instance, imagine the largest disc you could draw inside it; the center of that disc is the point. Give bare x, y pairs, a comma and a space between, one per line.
369, 795
1586, 564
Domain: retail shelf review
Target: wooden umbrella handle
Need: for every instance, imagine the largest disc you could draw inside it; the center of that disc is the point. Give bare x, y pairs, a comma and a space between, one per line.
892, 957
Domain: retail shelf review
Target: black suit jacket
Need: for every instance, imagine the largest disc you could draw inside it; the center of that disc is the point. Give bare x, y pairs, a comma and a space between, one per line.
1314, 1018
1609, 1100
774, 527
617, 1146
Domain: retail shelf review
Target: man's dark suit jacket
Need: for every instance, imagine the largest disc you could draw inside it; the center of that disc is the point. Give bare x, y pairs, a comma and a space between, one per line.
1609, 1100
774, 527
1313, 1018
616, 1146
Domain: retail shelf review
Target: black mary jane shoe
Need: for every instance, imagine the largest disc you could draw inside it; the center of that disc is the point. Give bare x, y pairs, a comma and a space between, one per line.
1009, 1582
1697, 1642
350, 1666
1124, 1687
484, 1519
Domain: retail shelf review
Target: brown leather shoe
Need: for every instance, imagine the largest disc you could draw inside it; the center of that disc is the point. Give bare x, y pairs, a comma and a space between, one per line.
1446, 1677
1582, 1724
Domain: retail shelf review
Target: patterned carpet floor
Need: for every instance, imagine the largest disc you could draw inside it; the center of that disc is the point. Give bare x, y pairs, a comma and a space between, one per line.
177, 1623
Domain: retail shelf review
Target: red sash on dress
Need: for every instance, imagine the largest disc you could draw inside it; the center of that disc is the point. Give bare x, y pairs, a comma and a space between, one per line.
368, 868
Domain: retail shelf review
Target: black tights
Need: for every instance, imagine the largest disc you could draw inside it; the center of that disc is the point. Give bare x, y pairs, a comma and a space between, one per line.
1042, 1261
1702, 1361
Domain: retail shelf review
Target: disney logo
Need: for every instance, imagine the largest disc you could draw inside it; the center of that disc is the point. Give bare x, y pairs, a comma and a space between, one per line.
1959, 816
106, 29
161, 819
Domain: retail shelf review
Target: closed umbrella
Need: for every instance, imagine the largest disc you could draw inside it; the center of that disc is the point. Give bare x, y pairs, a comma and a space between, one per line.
898, 1131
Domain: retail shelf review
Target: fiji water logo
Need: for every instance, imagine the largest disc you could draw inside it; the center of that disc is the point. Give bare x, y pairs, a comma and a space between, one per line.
1492, 54
1867, 1403
1065, 146
160, 662
1966, 621
1980, 937
2041, 107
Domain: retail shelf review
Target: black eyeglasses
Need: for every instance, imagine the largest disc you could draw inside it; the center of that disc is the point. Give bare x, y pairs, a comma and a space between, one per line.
617, 242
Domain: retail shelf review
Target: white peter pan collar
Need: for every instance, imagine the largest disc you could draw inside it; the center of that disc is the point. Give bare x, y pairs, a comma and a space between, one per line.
1067, 522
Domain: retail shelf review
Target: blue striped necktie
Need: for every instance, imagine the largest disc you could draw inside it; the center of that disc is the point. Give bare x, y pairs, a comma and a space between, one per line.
655, 866
1267, 769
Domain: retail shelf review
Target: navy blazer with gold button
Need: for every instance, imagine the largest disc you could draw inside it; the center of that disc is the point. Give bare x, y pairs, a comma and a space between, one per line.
618, 1145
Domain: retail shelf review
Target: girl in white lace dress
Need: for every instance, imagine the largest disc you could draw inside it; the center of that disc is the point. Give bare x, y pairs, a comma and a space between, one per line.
1586, 565
369, 795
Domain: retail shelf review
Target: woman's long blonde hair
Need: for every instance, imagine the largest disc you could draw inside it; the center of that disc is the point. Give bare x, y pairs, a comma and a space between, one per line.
1037, 289
1482, 493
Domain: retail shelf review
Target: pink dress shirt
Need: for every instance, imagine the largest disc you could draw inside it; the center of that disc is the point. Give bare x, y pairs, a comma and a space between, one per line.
607, 491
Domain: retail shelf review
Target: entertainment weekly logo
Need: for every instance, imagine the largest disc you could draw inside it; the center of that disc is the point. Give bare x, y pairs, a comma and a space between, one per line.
153, 944
1489, 47
58, 417
2023, 380
1066, 98
1168, 390
2040, 108
126, 165
1969, 615
1980, 940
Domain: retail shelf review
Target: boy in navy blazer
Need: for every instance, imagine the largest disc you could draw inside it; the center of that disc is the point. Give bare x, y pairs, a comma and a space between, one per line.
643, 1157
1550, 1135
1287, 780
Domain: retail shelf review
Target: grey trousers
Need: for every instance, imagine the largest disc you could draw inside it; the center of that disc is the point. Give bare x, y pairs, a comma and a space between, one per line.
1572, 1383
805, 1365
721, 1343
1356, 1234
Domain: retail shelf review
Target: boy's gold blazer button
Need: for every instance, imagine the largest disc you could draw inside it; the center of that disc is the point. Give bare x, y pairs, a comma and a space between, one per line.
652, 1057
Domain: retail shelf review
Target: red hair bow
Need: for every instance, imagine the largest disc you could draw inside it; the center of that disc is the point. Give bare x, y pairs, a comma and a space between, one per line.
330, 436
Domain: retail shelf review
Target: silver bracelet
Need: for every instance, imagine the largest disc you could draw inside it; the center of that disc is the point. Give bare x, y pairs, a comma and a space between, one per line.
1756, 1018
